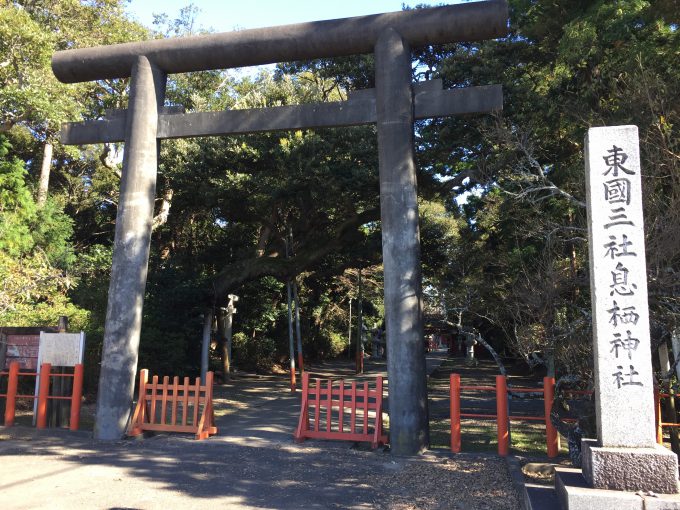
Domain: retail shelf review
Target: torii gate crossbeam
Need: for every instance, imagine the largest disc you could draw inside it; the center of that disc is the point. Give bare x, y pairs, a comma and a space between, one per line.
392, 106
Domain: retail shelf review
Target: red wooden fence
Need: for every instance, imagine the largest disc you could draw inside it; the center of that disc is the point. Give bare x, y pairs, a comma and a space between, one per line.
657, 408
173, 407
502, 417
338, 411
44, 396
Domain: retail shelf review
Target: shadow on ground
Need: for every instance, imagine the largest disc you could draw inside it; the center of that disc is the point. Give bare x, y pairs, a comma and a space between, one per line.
253, 463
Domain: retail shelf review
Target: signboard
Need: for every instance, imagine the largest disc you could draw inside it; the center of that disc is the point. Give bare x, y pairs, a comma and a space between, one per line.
22, 348
61, 349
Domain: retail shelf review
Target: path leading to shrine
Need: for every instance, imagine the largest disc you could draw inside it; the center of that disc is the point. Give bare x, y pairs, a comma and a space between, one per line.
252, 464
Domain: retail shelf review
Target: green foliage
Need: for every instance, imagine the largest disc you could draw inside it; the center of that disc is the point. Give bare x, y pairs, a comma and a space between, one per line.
34, 254
522, 275
501, 197
16, 205
256, 354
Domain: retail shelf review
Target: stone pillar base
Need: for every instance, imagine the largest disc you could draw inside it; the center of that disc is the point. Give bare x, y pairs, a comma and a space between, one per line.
573, 493
629, 469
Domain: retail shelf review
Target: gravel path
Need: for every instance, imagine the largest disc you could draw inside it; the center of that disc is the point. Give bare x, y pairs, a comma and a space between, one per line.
252, 464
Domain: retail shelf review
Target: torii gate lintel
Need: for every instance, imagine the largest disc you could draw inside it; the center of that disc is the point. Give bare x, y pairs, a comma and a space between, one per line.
430, 100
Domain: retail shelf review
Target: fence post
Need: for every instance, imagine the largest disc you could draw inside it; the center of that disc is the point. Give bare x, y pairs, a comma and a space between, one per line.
657, 413
378, 410
12, 384
303, 422
502, 415
551, 437
43, 395
143, 381
76, 397
454, 396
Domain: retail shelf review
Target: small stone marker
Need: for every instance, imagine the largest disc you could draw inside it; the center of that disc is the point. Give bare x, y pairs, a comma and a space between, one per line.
626, 456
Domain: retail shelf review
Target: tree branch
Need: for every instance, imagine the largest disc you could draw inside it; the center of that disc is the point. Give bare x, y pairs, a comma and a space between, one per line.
249, 269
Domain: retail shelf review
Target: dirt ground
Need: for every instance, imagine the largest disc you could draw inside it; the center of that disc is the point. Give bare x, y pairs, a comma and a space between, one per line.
252, 464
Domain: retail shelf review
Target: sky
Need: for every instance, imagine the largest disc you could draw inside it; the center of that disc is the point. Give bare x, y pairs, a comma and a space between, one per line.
227, 15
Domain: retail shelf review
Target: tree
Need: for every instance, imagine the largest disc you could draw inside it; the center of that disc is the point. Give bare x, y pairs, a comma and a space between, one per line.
34, 254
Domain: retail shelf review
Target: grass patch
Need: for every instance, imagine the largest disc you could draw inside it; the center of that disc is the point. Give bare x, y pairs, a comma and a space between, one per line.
481, 436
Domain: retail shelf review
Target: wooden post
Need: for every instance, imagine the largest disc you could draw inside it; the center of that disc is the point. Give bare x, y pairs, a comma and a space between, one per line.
12, 384
349, 331
3, 349
502, 415
670, 414
57, 411
657, 416
43, 394
76, 397
551, 437
205, 342
454, 396
360, 327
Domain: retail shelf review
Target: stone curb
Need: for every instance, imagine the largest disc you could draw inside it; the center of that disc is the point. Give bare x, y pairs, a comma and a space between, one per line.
515, 470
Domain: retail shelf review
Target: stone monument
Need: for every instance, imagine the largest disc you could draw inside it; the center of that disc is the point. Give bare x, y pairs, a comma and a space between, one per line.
625, 456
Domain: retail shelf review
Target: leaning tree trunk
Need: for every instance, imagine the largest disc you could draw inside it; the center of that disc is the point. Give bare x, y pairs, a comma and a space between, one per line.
494, 355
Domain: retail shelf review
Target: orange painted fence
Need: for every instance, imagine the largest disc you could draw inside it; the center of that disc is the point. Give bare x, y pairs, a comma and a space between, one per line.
174, 407
341, 411
44, 396
657, 408
502, 416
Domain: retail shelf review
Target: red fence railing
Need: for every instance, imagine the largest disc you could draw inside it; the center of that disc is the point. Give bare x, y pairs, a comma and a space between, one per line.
502, 416
660, 424
44, 378
174, 407
342, 412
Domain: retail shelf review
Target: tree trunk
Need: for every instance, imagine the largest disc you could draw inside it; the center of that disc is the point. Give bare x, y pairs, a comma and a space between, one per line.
494, 355
675, 343
291, 340
205, 346
349, 331
360, 336
550, 363
298, 330
45, 168
162, 217
224, 334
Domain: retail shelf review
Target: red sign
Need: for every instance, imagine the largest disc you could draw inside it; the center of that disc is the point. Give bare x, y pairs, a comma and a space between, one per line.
24, 349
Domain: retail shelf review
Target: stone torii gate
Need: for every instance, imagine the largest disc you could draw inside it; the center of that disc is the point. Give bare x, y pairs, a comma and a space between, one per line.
392, 105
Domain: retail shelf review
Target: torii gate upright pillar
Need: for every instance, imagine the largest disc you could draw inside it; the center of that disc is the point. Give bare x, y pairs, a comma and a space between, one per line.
131, 251
401, 246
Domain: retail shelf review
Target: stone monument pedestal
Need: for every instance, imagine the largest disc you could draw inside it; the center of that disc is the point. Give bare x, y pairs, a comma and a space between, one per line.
624, 468
574, 493
630, 469
620, 479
